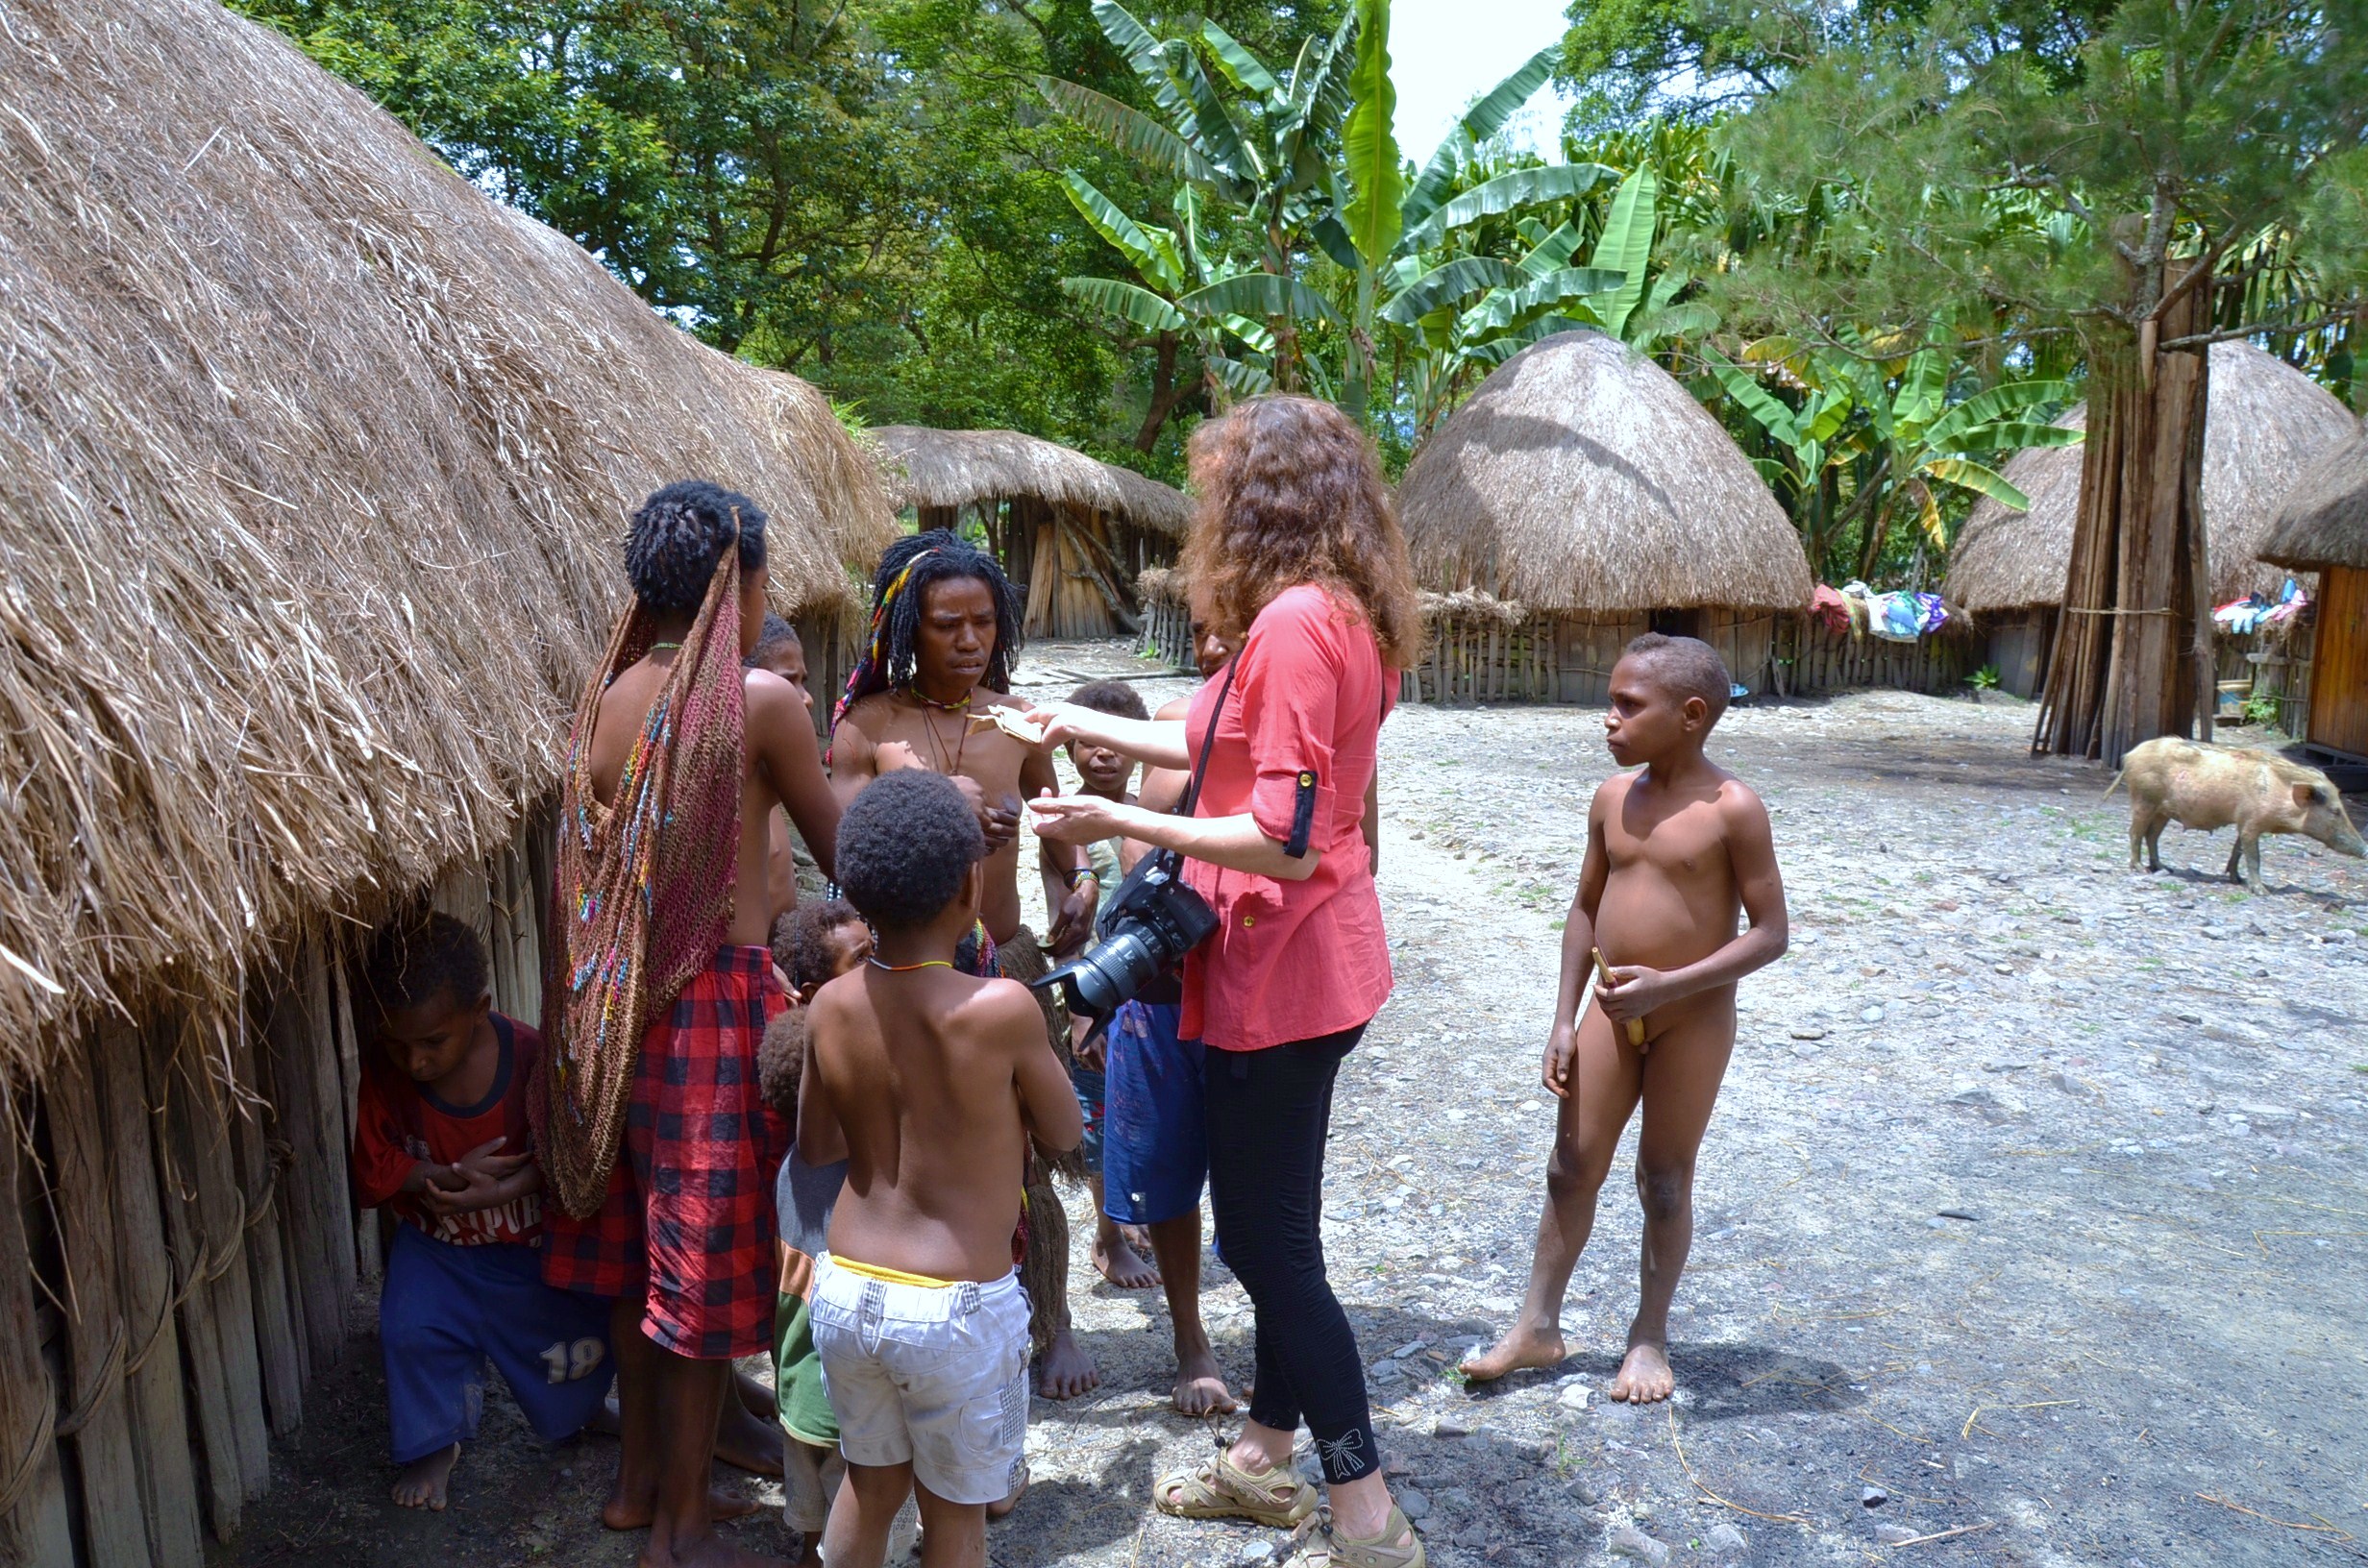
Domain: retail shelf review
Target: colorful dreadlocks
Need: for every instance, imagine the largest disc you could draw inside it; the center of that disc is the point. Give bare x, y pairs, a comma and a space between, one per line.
642, 889
906, 570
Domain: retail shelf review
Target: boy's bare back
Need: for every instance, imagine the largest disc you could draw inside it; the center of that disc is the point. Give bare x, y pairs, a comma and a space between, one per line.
935, 1079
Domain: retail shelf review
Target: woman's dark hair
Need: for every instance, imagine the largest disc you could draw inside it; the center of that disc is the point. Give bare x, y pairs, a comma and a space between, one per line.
776, 635
802, 941
941, 555
905, 846
1291, 492
1114, 697
414, 959
678, 535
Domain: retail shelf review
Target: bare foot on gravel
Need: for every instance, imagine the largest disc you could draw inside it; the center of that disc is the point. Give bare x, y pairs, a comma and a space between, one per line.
1200, 1386
1644, 1377
997, 1511
1522, 1346
1065, 1370
619, 1513
709, 1551
1123, 1267
747, 1443
421, 1483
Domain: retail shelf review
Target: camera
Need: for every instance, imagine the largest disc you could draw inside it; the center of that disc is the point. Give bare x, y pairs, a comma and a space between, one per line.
1152, 921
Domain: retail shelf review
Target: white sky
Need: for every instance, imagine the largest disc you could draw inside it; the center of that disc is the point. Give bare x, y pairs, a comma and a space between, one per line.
1446, 53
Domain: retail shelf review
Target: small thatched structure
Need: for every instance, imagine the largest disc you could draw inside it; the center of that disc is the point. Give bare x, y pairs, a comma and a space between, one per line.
1587, 497
2264, 421
1074, 532
2323, 528
313, 465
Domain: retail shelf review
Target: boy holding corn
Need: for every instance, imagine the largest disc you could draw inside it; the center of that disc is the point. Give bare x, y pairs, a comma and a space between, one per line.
1675, 854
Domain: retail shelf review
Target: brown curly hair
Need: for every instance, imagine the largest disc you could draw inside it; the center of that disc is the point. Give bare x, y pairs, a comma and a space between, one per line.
1290, 492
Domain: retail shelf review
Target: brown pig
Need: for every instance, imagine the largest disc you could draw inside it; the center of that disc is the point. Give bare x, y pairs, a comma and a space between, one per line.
2210, 787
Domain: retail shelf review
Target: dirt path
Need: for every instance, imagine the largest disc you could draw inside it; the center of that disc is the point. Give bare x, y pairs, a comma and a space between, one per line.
2033, 1209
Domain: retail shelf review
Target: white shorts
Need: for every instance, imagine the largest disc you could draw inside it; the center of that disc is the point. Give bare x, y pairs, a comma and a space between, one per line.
933, 1374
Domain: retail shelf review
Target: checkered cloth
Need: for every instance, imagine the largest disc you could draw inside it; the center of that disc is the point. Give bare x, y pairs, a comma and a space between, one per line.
689, 1217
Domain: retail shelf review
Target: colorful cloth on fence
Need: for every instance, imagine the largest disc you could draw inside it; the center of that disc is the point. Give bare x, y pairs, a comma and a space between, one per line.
688, 1216
642, 889
1900, 617
1829, 609
2242, 617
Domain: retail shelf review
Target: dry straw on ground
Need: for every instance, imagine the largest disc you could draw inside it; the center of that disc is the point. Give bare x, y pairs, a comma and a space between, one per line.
1582, 477
2324, 519
961, 468
313, 465
2263, 424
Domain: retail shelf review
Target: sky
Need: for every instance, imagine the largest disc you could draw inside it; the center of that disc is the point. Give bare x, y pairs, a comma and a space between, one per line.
1446, 53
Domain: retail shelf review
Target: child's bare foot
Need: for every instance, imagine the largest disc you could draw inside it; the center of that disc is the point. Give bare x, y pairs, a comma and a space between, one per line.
1644, 1377
421, 1483
1523, 1345
746, 1443
622, 1512
1123, 1267
709, 1551
1018, 1490
1065, 1370
1200, 1386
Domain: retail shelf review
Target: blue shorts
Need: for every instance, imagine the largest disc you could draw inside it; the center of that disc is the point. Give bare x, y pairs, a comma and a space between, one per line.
445, 1310
1091, 1088
1155, 1146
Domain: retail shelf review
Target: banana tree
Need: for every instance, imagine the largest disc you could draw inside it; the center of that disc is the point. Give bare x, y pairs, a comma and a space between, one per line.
1262, 151
1887, 428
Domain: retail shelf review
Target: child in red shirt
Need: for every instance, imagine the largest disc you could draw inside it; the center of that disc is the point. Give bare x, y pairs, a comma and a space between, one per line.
441, 1140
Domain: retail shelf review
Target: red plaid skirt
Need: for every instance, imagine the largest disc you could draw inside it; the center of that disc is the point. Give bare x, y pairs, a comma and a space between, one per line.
689, 1218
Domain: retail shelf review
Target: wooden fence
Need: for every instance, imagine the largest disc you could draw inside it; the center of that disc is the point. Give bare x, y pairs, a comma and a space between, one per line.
179, 1246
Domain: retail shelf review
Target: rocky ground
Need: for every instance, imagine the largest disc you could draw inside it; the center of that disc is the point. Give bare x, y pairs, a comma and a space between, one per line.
2029, 1229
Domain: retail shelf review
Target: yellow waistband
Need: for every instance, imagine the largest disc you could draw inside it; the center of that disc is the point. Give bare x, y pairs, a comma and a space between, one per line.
891, 1276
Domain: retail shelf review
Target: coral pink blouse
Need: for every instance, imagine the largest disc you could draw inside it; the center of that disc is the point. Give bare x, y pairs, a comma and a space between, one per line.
1296, 747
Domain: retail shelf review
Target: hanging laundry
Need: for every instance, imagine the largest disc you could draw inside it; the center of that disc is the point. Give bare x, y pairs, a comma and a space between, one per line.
1828, 608
2242, 617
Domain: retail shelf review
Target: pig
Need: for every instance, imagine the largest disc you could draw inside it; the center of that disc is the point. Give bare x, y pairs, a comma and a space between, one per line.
2210, 787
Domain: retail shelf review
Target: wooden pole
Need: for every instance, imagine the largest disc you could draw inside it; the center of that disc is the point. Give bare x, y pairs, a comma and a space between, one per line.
280, 1329
34, 1515
304, 1053
159, 1416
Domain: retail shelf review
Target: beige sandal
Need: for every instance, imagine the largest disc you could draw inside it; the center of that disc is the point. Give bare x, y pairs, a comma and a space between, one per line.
1318, 1545
1278, 1497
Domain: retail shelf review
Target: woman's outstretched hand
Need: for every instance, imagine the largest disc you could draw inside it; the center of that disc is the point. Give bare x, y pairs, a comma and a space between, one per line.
1062, 722
1073, 819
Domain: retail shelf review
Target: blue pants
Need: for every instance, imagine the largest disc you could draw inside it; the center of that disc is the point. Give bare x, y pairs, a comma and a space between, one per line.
1155, 1151
446, 1310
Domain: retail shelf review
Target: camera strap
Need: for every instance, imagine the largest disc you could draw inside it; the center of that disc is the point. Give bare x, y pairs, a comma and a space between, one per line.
1191, 789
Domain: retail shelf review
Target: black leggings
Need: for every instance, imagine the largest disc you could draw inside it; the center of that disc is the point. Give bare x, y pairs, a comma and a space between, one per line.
1268, 1112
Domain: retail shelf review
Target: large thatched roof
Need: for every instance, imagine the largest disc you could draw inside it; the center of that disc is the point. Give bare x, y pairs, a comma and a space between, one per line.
1583, 478
958, 467
2264, 421
2324, 519
314, 462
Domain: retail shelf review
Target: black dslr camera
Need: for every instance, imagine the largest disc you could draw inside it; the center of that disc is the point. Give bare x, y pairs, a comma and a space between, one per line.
1153, 920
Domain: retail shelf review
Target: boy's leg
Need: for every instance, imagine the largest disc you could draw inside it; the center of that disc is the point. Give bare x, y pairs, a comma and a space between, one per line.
1062, 1368
1200, 1384
952, 1534
433, 1358
866, 1508
1605, 1079
1681, 1074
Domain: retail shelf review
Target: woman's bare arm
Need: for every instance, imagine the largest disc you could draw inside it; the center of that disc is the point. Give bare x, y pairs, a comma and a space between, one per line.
1159, 742
1236, 843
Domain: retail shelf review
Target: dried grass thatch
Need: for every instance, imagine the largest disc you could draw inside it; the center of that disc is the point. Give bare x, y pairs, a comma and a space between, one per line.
312, 463
1582, 477
2263, 424
2324, 519
961, 468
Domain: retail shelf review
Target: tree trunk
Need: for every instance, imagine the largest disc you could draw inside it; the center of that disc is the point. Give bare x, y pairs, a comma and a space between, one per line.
2133, 651
1166, 394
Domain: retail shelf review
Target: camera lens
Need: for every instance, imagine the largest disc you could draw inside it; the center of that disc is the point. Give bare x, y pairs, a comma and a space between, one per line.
1097, 980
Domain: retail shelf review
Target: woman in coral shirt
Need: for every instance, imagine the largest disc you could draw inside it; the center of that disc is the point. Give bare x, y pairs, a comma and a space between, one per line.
1296, 553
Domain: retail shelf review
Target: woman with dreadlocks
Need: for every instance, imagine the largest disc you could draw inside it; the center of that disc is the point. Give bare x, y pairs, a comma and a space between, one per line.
656, 993
945, 629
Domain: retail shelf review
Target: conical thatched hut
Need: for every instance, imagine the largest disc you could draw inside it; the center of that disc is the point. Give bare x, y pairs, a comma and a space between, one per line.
313, 465
1579, 498
2264, 421
2323, 528
1070, 529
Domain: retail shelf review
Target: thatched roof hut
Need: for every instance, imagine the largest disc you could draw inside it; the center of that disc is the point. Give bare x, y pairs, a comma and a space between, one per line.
1583, 479
312, 461
1093, 527
2265, 422
2322, 526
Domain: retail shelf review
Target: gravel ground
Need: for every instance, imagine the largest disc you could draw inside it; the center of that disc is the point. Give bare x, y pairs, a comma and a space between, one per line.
2028, 1230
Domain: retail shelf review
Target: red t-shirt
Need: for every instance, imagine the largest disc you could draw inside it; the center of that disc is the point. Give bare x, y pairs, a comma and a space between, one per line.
1296, 747
399, 1124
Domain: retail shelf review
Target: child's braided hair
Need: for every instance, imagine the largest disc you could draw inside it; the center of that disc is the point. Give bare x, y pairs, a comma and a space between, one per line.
677, 536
